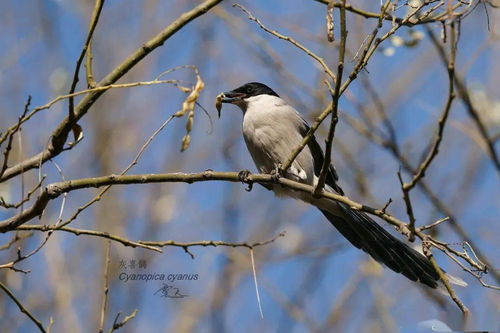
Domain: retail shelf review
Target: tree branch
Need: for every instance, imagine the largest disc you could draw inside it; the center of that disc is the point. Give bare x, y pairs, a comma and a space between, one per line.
54, 190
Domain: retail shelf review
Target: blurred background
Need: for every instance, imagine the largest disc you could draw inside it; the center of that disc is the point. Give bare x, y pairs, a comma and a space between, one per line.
311, 280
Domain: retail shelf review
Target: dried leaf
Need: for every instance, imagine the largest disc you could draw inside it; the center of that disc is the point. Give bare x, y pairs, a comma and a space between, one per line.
218, 103
186, 140
77, 135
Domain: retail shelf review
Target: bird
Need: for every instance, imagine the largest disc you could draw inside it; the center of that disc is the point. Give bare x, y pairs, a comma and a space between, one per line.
272, 129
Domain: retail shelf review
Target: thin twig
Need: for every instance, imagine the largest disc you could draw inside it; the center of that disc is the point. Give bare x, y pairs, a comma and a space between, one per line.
335, 101
150, 245
12, 265
106, 287
434, 224
10, 135
409, 207
96, 13
445, 279
320, 60
22, 308
99, 89
17, 237
78, 232
186, 246
27, 198
118, 325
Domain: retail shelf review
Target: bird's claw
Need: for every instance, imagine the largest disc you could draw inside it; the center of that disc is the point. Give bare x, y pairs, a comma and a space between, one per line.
276, 173
243, 177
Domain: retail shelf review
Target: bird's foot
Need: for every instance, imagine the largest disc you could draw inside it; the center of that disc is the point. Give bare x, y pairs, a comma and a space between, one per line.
243, 177
277, 173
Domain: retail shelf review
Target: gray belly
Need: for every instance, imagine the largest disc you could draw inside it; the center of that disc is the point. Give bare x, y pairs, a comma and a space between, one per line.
270, 147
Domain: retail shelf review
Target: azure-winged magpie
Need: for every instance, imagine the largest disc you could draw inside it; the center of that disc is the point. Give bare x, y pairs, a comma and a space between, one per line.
272, 130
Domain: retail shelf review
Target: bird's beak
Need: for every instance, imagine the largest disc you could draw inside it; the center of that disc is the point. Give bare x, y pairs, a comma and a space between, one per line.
232, 97
228, 97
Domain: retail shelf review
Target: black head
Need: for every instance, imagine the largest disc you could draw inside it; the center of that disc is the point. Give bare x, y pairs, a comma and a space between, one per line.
247, 90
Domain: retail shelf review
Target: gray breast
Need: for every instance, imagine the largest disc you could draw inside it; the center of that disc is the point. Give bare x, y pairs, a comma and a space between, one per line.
271, 134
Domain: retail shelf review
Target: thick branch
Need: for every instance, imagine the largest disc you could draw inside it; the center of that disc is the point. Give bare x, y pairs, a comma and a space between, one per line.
54, 190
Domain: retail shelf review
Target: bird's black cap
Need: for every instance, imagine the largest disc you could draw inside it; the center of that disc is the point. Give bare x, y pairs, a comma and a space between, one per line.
247, 90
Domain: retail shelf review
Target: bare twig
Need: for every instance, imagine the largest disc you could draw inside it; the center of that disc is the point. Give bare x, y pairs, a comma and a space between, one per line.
17, 237
182, 112
320, 60
409, 207
434, 224
175, 83
22, 308
335, 101
26, 198
149, 245
10, 135
118, 325
93, 23
387, 204
12, 265
78, 232
106, 287
186, 246
444, 278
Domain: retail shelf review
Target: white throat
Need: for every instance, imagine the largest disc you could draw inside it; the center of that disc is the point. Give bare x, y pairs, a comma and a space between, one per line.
262, 102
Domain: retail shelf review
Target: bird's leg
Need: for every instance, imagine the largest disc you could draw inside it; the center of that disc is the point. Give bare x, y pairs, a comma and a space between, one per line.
243, 177
277, 173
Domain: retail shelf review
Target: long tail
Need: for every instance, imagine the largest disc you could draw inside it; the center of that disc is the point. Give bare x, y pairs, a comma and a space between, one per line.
366, 234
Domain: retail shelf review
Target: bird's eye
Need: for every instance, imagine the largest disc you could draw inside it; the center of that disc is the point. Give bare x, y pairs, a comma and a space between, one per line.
249, 90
